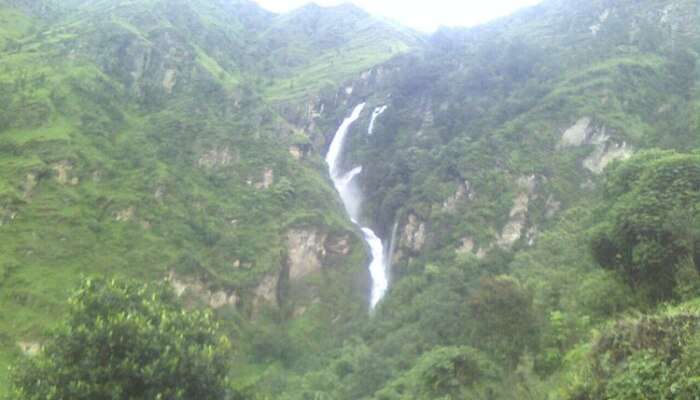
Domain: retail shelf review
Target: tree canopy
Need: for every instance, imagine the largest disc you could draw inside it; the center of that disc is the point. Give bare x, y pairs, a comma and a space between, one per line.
128, 341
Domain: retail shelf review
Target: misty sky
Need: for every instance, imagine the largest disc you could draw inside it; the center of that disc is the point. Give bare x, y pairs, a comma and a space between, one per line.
425, 15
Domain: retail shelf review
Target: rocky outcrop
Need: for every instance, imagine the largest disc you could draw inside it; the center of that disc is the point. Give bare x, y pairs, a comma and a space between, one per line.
125, 215
469, 246
29, 348
215, 158
268, 179
29, 185
338, 245
513, 230
266, 292
299, 151
199, 292
551, 207
169, 80
595, 28
411, 239
605, 153
606, 150
414, 234
577, 135
306, 250
63, 170
464, 193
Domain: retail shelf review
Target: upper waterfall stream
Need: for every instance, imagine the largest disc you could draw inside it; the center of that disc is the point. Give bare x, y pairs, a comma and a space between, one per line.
352, 200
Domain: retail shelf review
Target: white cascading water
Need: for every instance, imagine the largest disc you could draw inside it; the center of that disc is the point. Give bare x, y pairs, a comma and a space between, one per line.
375, 114
352, 199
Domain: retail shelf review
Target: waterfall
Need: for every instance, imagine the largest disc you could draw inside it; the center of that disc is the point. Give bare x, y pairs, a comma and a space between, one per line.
377, 112
352, 200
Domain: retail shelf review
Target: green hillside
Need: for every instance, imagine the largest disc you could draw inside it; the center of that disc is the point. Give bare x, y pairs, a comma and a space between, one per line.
540, 174
135, 143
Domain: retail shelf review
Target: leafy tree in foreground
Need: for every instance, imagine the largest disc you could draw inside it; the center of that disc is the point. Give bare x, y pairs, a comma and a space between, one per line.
128, 341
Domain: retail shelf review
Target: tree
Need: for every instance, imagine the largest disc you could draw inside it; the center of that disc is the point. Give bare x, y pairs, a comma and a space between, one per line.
124, 340
650, 223
503, 316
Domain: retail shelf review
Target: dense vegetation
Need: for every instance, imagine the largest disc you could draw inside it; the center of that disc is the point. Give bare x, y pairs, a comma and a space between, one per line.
131, 341
540, 172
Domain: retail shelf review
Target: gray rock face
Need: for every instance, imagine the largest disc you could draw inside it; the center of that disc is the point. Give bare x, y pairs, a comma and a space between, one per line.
169, 80
577, 134
125, 215
266, 292
306, 250
29, 185
198, 291
606, 150
464, 193
513, 230
552, 207
604, 154
29, 348
268, 179
414, 234
63, 170
215, 158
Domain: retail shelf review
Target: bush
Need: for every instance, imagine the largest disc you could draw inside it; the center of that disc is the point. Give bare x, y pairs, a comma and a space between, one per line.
128, 341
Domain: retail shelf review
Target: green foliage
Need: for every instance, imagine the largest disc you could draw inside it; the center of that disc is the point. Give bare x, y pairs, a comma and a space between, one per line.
652, 357
503, 314
652, 224
124, 341
445, 373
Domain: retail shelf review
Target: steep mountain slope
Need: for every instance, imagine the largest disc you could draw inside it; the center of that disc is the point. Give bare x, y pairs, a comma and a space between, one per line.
488, 159
136, 142
182, 140
551, 95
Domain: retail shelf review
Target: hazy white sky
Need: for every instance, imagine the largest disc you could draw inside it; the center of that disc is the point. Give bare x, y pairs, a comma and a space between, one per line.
425, 15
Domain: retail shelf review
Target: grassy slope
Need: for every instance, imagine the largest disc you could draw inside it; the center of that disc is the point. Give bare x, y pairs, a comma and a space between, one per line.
342, 42
133, 201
